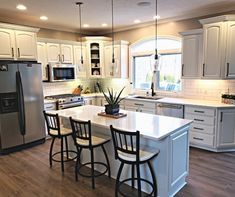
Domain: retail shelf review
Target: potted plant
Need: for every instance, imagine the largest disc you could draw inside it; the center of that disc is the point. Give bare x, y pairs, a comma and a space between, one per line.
113, 99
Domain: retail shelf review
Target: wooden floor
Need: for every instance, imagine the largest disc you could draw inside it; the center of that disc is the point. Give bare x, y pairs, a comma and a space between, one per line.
27, 174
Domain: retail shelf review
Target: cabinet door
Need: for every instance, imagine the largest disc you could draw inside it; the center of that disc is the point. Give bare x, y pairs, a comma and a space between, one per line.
7, 46
230, 57
66, 53
190, 56
42, 58
26, 45
213, 50
112, 69
90, 101
81, 68
53, 52
226, 134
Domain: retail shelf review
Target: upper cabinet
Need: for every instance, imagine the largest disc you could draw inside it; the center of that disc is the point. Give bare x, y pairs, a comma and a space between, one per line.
118, 69
191, 53
42, 58
95, 55
80, 67
218, 47
62, 53
18, 42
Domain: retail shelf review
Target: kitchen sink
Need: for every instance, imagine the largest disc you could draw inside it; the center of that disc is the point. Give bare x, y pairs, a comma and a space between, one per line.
148, 97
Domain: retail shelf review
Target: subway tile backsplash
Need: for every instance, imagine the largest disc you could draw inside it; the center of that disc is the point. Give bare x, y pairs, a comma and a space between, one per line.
191, 88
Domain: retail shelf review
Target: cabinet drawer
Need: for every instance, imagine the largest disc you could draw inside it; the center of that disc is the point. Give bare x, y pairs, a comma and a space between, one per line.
201, 128
207, 120
50, 106
201, 139
200, 111
140, 104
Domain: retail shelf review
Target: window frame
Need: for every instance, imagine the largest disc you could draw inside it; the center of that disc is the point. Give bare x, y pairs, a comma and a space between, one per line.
149, 53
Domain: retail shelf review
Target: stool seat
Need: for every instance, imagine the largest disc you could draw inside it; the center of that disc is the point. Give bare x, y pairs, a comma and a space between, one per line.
144, 155
95, 141
63, 131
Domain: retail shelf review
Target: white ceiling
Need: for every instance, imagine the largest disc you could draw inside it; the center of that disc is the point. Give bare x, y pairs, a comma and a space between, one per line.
63, 14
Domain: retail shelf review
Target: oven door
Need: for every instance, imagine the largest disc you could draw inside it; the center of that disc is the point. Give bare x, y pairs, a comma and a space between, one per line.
69, 105
61, 72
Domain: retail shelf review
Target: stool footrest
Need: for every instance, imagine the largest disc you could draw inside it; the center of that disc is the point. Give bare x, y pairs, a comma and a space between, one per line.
130, 179
66, 160
95, 163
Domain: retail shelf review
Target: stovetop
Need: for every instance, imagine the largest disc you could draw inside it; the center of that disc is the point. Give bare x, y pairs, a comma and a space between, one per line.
61, 96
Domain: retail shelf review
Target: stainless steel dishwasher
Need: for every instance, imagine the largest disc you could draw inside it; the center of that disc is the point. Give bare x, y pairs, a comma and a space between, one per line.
173, 110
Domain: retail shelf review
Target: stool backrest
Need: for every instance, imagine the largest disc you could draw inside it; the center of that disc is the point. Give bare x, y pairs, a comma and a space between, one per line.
52, 122
126, 142
81, 130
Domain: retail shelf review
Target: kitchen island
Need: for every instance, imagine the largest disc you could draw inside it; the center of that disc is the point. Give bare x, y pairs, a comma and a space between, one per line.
169, 135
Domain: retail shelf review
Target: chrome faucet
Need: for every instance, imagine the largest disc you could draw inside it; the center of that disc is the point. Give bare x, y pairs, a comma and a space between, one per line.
152, 89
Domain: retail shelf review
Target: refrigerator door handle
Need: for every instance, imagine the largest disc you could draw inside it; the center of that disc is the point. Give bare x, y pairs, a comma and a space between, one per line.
20, 94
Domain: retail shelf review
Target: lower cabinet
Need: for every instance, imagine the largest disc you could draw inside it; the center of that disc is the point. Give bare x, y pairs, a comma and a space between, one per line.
90, 101
140, 106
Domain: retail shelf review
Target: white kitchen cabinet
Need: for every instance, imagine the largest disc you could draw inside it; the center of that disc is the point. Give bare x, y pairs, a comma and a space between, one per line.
42, 58
60, 53
191, 53
18, 45
89, 100
202, 130
230, 57
226, 128
140, 106
119, 69
81, 68
213, 47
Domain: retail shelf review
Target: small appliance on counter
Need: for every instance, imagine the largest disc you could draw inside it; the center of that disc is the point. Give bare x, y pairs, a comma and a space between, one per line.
228, 98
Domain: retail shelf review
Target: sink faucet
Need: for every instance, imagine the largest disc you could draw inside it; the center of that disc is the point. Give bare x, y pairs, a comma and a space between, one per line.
152, 89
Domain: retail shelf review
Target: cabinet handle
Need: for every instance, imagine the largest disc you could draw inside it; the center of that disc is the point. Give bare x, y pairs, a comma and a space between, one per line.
221, 116
198, 120
197, 111
59, 57
18, 52
12, 51
197, 138
203, 69
140, 110
227, 70
63, 58
138, 104
197, 128
182, 70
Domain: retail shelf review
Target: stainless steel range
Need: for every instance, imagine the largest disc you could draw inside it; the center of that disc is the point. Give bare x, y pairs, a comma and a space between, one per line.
67, 100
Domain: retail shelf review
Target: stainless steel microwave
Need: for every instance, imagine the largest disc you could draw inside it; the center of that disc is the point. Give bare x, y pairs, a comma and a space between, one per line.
61, 72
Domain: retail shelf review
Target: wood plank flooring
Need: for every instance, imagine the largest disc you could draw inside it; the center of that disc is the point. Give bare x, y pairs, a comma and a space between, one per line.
27, 174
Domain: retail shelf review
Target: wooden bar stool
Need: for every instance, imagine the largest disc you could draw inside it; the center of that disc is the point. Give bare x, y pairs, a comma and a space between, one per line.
84, 140
56, 132
127, 151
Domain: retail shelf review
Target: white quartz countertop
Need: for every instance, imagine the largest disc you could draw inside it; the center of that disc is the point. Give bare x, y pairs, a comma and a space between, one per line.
150, 126
184, 101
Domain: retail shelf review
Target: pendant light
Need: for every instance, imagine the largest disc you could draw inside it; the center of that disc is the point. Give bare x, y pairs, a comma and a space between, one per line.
80, 27
156, 51
113, 59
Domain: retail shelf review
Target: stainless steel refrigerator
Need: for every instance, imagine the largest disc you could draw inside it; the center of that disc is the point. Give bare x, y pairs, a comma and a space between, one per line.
21, 105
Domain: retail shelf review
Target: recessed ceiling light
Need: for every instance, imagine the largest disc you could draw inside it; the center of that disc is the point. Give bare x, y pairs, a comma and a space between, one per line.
21, 7
137, 21
144, 3
104, 24
86, 25
44, 18
157, 17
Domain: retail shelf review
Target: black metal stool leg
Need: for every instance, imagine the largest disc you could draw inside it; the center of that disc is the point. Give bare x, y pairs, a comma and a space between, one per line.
154, 179
138, 179
118, 179
51, 148
107, 160
66, 145
62, 155
92, 169
133, 175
